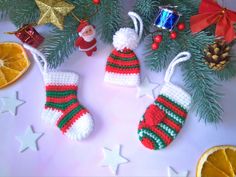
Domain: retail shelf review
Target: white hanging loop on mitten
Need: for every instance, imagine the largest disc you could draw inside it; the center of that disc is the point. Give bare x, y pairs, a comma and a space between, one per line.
181, 57
136, 18
42, 62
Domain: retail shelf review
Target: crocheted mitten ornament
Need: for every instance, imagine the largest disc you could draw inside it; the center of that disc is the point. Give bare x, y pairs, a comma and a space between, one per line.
164, 119
123, 66
62, 107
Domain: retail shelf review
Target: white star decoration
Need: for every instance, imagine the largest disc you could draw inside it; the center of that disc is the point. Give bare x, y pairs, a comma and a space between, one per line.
10, 104
113, 159
146, 88
29, 140
173, 173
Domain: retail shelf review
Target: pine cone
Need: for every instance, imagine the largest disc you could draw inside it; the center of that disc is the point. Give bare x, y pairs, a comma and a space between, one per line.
217, 55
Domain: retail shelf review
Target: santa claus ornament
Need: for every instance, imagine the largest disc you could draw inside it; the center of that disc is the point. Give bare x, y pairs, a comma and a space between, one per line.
62, 107
86, 41
164, 119
123, 66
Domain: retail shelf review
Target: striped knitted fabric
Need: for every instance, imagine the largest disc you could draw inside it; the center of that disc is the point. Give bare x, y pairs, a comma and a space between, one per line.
164, 119
62, 107
123, 68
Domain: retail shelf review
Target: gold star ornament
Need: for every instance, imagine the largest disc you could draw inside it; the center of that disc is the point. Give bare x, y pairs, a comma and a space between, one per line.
53, 11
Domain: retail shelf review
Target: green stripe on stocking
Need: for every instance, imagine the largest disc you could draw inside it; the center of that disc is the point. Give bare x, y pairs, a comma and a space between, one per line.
70, 116
57, 94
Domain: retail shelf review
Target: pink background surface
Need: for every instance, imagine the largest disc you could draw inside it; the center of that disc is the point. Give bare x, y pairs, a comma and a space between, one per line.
116, 111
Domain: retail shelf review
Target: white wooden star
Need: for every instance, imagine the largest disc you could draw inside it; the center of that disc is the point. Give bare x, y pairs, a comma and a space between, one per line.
146, 88
173, 173
10, 104
113, 159
29, 140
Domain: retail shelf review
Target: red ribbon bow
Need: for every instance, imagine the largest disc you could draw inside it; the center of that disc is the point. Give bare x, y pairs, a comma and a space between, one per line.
212, 13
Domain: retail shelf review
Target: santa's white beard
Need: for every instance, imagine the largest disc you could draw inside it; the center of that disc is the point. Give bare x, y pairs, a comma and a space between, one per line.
90, 37
125, 38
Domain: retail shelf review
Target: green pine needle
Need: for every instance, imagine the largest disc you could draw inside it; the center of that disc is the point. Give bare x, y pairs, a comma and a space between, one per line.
147, 9
24, 12
109, 19
200, 82
228, 72
4, 8
61, 44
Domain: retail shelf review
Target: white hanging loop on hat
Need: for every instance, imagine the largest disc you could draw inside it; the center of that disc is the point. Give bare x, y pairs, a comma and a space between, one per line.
42, 62
136, 18
181, 57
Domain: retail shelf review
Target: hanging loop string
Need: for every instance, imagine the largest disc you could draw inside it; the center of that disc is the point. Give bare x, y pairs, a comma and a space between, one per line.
38, 57
181, 57
136, 18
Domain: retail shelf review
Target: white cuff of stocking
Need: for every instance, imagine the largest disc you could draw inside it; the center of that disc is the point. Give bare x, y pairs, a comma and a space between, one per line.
61, 78
176, 94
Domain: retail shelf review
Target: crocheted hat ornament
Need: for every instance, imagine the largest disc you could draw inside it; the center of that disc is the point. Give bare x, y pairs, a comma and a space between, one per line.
123, 66
62, 107
164, 119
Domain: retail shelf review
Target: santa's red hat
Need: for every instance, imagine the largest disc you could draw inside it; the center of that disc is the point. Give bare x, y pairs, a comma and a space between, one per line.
82, 25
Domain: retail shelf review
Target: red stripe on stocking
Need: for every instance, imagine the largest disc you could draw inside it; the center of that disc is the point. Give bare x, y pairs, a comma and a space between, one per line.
61, 100
61, 88
67, 111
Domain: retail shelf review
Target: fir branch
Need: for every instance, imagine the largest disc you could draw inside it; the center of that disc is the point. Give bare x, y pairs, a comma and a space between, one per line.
60, 44
203, 88
23, 12
4, 8
228, 72
200, 82
147, 9
109, 19
156, 60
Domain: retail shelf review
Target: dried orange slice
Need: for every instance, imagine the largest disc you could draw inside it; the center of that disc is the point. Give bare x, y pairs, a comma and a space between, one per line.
13, 63
219, 161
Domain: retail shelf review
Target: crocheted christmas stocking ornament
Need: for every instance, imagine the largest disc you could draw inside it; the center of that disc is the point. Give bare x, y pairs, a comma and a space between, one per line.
123, 66
62, 107
164, 119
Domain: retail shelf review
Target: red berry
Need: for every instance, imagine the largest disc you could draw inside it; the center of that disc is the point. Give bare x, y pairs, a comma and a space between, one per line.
155, 46
181, 26
97, 2
158, 38
173, 35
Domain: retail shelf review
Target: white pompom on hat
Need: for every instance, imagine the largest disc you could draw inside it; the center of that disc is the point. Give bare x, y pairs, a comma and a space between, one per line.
125, 38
